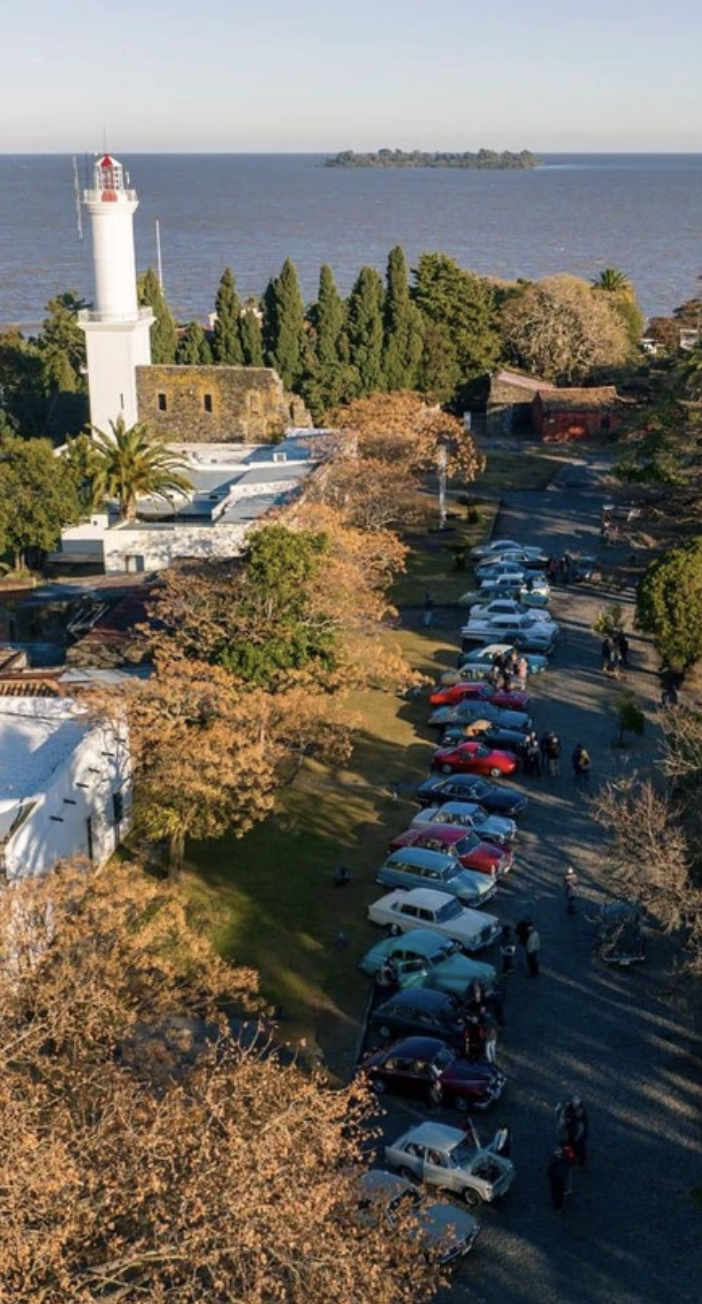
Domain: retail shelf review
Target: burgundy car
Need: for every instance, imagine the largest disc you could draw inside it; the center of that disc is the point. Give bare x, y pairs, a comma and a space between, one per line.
481, 692
454, 840
426, 1067
473, 757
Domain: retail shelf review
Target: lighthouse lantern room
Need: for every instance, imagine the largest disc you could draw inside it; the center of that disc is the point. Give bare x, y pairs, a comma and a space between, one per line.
116, 329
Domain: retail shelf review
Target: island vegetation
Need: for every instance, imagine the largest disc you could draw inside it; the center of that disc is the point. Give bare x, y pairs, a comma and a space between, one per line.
417, 158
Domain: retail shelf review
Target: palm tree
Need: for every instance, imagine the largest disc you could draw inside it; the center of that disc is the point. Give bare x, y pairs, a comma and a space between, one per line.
133, 464
612, 280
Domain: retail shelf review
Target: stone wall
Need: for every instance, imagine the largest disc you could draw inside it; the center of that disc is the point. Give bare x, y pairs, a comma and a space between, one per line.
217, 405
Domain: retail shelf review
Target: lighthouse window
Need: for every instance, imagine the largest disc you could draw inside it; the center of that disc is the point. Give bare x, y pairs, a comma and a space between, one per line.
207, 400
162, 403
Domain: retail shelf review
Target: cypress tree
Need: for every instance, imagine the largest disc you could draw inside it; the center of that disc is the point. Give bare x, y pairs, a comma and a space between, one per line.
284, 326
251, 337
402, 327
164, 335
226, 338
364, 327
193, 347
328, 320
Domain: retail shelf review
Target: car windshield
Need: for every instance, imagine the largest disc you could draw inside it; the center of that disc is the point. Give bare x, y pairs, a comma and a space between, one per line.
467, 843
462, 1155
451, 910
443, 1059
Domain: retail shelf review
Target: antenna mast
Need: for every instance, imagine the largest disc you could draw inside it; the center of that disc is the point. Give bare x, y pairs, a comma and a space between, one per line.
159, 264
76, 187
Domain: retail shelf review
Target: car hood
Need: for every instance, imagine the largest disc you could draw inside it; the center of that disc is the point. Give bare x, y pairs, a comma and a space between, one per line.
465, 1071
440, 1224
461, 968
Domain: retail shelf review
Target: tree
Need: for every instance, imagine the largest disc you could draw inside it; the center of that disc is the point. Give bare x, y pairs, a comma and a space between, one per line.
460, 308
164, 334
134, 463
563, 330
163, 1156
38, 497
226, 336
62, 344
404, 431
612, 280
22, 383
331, 345
193, 347
284, 326
630, 717
85, 464
669, 604
402, 327
251, 336
620, 293
364, 327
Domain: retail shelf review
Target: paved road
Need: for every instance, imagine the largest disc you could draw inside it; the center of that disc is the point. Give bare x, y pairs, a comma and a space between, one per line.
630, 1232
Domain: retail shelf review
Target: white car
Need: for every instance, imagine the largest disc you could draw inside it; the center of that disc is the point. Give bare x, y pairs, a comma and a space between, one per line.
504, 545
533, 623
504, 570
505, 607
401, 911
445, 1157
539, 584
493, 828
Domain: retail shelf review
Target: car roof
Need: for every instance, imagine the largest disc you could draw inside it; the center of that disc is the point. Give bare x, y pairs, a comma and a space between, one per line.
418, 856
425, 998
419, 939
459, 808
437, 1135
416, 1046
427, 896
444, 832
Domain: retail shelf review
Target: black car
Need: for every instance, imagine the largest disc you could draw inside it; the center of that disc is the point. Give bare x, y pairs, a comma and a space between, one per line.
509, 739
419, 1010
439, 788
620, 938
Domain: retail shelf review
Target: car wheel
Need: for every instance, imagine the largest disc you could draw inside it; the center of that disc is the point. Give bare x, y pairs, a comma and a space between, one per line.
384, 1030
447, 769
462, 1103
378, 1086
394, 930
495, 774
470, 1197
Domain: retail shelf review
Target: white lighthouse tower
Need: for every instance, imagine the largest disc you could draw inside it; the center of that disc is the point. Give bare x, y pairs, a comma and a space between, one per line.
117, 329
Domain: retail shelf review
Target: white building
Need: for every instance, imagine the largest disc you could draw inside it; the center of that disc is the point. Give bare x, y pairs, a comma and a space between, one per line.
65, 787
116, 329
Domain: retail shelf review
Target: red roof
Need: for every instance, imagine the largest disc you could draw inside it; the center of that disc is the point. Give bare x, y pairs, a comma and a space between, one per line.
106, 162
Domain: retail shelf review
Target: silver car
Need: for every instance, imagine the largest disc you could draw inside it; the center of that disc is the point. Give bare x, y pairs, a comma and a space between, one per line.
443, 1230
445, 1157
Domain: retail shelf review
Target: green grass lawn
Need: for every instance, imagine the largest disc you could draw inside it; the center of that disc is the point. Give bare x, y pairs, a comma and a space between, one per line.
507, 471
271, 896
431, 565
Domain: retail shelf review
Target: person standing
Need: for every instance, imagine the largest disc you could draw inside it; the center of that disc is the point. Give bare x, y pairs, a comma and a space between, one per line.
507, 949
428, 609
606, 652
580, 761
501, 1143
522, 931
489, 1027
570, 888
579, 1130
623, 645
522, 671
554, 755
558, 1174
533, 946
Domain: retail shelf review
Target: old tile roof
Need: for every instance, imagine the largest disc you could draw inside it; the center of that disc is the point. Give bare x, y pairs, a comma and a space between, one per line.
579, 400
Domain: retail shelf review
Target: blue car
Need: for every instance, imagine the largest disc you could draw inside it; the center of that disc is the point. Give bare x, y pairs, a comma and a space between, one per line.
424, 959
481, 658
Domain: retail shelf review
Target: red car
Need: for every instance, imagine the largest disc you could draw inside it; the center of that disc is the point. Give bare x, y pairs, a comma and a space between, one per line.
473, 757
461, 843
455, 693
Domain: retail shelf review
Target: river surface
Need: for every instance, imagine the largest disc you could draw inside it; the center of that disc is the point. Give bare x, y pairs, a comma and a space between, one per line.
579, 213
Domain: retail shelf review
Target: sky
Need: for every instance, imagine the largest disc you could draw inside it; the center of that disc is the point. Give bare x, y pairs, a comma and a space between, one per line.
324, 75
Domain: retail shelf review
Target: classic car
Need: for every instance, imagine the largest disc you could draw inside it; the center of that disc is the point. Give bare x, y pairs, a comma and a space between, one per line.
493, 735
428, 1068
444, 1156
483, 656
498, 546
414, 867
419, 1010
472, 757
423, 907
423, 959
469, 815
453, 694
465, 846
504, 607
467, 710
445, 1232
470, 787
619, 938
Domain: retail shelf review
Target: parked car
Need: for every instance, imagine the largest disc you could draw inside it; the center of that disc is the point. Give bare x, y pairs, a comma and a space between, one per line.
464, 845
468, 710
469, 815
501, 570
452, 694
498, 546
537, 595
414, 867
472, 757
525, 559
537, 623
420, 1010
428, 1068
470, 787
422, 959
446, 1232
483, 657
619, 938
444, 1156
526, 638
505, 607
401, 911
508, 740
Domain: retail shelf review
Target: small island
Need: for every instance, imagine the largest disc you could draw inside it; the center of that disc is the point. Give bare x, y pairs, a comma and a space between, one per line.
416, 158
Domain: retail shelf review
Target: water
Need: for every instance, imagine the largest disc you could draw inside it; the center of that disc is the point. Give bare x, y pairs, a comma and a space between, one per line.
579, 213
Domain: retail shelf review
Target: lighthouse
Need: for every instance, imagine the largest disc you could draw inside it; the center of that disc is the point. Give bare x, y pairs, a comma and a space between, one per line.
116, 329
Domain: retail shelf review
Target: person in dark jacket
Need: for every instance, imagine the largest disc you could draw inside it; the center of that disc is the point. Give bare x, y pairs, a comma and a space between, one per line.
623, 645
558, 1173
606, 652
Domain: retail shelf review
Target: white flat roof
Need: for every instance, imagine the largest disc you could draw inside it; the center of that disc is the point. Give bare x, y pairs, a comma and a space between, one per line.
37, 734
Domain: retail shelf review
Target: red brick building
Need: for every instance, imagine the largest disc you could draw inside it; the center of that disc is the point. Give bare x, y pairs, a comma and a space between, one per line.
562, 416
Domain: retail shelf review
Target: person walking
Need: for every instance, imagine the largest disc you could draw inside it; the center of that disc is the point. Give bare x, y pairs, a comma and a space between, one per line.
579, 1130
501, 1143
606, 652
534, 754
558, 1174
554, 755
428, 609
522, 931
489, 1027
580, 760
570, 888
623, 645
533, 946
507, 949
